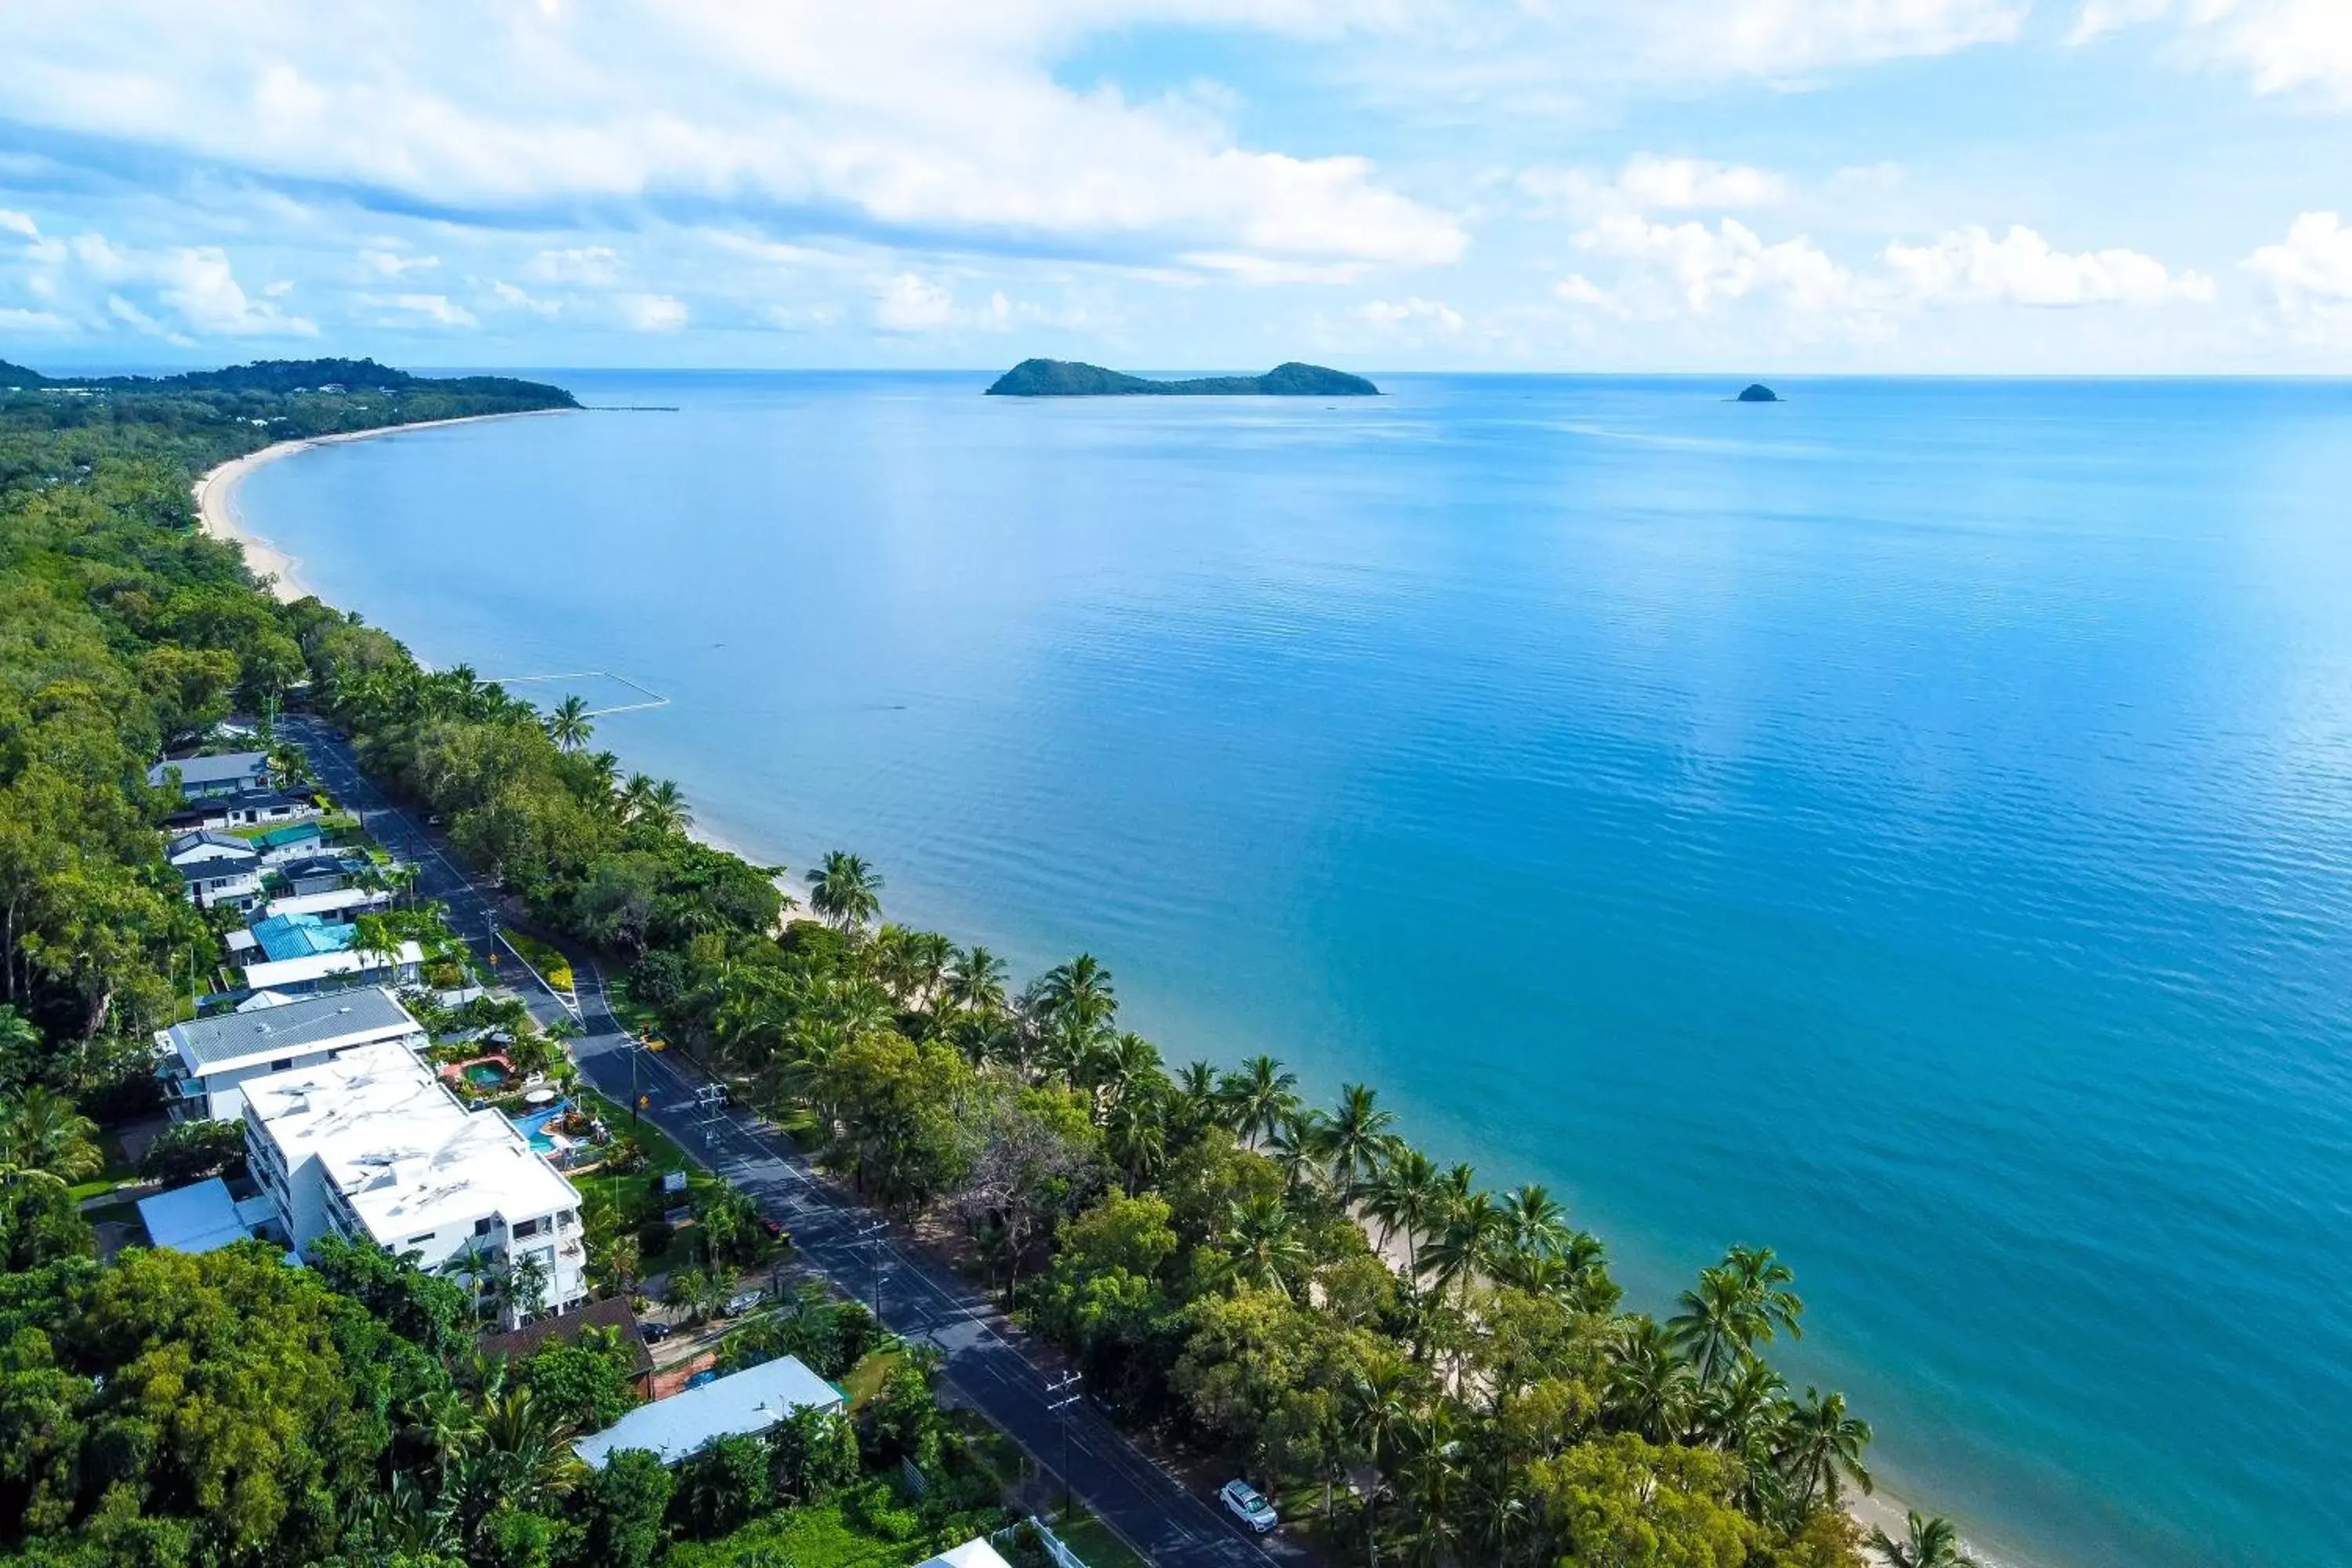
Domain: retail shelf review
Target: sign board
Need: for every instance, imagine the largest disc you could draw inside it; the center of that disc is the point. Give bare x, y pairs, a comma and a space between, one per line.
673, 1180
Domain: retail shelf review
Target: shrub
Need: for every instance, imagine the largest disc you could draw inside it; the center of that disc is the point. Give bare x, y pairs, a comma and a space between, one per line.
187, 1151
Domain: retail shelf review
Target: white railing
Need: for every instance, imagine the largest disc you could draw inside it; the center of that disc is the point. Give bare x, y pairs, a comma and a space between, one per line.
1062, 1555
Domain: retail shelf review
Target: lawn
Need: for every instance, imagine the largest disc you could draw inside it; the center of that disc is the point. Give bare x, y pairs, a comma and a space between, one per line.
864, 1380
1091, 1539
837, 1534
636, 1196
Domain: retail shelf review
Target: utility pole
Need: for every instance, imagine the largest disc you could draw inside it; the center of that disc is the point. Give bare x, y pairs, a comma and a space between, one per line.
1061, 1407
871, 1235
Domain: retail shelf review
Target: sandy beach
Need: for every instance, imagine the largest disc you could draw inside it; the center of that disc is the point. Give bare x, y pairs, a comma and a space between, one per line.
215, 495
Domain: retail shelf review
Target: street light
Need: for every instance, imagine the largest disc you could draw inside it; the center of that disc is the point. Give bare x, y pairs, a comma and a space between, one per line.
1061, 1407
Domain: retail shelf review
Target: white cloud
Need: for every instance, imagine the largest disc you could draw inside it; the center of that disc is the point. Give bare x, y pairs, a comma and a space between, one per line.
194, 283
908, 114
2310, 275
508, 294
1970, 267
1786, 38
1415, 313
433, 310
393, 264
595, 265
1706, 268
1650, 180
908, 303
16, 222
651, 313
1650, 183
2282, 46
13, 320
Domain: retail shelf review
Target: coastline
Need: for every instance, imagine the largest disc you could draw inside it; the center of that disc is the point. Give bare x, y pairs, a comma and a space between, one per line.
215, 496
217, 513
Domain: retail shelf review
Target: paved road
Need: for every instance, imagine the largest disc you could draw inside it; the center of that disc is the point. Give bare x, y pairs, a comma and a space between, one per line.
1150, 1509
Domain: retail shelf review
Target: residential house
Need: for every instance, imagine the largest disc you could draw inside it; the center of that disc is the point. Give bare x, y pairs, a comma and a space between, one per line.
261, 808
295, 841
373, 1146
614, 1312
232, 773
748, 1402
319, 873
341, 904
218, 870
205, 1062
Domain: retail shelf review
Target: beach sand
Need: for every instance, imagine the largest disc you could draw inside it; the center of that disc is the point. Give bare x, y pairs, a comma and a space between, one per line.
215, 495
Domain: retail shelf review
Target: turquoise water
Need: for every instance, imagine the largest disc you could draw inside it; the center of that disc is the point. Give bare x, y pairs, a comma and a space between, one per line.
532, 1125
1907, 825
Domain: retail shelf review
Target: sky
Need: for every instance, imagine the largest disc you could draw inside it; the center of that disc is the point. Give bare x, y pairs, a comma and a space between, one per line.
1944, 186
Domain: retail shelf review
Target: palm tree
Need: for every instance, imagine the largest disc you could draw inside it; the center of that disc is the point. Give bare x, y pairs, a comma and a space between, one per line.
1820, 1449
1076, 996
1296, 1146
1765, 1280
1430, 1477
1373, 1411
1403, 1198
1137, 1136
1932, 1543
42, 1133
1260, 1096
845, 891
1194, 1107
1538, 1223
1358, 1138
975, 980
1123, 1066
1650, 1388
662, 807
1266, 1249
569, 725
1468, 1229
1717, 1325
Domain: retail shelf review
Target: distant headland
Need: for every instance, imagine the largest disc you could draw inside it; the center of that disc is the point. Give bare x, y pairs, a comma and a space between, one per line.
1069, 378
1759, 393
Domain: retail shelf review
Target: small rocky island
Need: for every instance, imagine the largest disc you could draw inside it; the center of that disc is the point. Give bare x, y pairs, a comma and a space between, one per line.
1070, 378
1759, 393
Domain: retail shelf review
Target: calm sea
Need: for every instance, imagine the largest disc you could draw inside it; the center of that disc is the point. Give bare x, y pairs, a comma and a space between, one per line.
1910, 825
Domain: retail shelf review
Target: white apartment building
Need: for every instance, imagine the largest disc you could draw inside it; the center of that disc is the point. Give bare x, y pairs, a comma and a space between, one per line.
371, 1146
204, 1063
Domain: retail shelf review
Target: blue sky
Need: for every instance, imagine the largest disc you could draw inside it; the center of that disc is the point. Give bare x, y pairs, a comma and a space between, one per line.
1738, 185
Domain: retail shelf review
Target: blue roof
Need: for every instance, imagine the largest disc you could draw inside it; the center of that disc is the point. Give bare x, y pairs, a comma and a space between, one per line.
292, 832
301, 936
197, 1218
749, 1401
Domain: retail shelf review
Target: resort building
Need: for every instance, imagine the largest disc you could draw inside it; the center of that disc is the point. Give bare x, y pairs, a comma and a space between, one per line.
373, 1147
746, 1403
206, 1063
219, 871
235, 773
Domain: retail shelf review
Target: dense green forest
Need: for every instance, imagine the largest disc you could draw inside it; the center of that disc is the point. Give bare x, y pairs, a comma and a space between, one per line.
1416, 1366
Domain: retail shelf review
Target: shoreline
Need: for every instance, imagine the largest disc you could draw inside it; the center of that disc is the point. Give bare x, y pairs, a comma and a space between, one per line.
215, 497
218, 515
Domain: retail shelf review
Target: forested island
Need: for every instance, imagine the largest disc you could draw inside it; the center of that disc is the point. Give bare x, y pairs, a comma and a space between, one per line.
1073, 378
1416, 1365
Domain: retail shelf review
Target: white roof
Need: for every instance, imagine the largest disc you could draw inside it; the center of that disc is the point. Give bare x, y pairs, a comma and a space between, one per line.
241, 1039
328, 903
973, 1554
199, 1217
405, 1155
321, 966
749, 1401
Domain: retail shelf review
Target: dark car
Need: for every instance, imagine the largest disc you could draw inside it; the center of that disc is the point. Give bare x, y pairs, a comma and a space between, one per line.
773, 1231
653, 1333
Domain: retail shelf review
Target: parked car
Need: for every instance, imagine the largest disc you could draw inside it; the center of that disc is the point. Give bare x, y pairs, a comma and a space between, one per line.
1243, 1503
653, 1333
743, 1302
771, 1229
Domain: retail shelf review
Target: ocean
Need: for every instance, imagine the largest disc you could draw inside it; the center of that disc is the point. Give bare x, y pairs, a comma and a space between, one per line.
1909, 825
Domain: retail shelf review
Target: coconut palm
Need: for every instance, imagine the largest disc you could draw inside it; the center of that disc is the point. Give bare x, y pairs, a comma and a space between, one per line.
1297, 1147
1820, 1449
1929, 1543
975, 980
1267, 1251
1744, 1416
1766, 1281
845, 891
569, 725
1123, 1066
1373, 1411
662, 807
1469, 1230
1260, 1096
1356, 1138
1137, 1136
1538, 1223
1718, 1323
1192, 1104
1076, 996
44, 1134
1431, 1477
1650, 1388
1405, 1198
